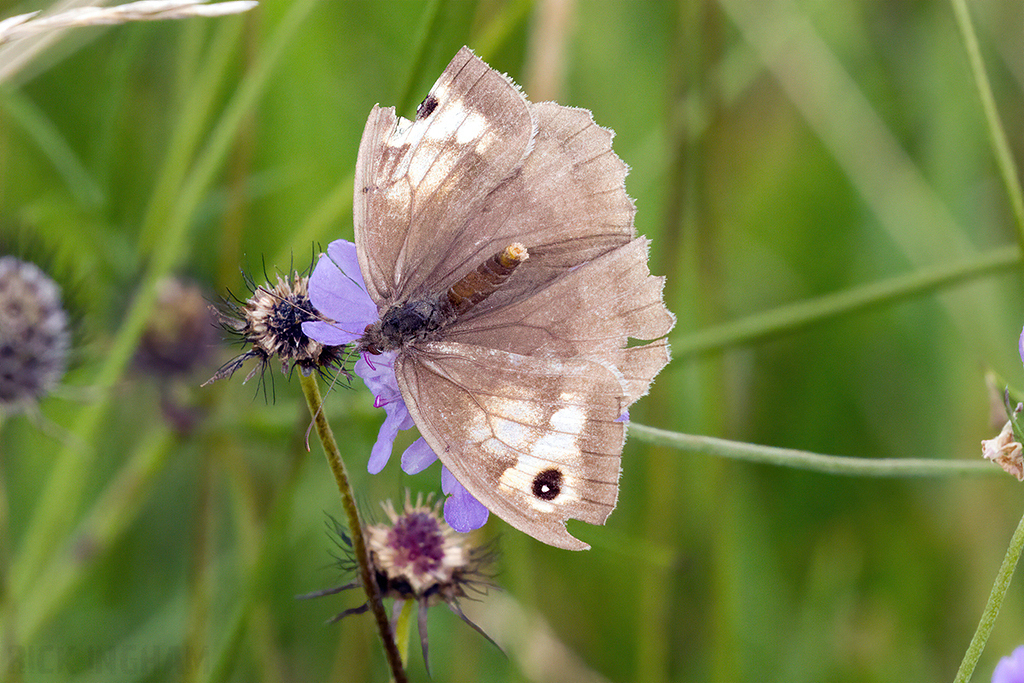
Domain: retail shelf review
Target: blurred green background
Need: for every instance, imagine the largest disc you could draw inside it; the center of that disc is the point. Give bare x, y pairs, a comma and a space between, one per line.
780, 151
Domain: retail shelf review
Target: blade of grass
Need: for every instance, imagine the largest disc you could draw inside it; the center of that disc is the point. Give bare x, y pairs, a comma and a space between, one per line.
54, 147
996, 131
803, 313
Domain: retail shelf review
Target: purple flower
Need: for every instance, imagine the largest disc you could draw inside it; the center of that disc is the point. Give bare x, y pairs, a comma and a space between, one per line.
1010, 669
337, 291
1020, 346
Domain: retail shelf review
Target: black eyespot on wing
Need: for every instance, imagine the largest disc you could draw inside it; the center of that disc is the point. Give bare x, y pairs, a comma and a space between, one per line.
426, 108
548, 484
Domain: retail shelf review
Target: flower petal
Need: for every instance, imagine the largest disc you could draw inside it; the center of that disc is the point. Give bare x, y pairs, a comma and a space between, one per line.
1020, 347
327, 334
378, 375
462, 511
337, 291
418, 457
1010, 669
398, 417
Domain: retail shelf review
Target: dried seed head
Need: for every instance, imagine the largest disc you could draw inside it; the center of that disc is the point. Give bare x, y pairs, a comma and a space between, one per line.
271, 322
34, 333
1005, 451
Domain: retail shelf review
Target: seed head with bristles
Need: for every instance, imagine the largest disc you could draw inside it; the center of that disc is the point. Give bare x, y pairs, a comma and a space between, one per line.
270, 321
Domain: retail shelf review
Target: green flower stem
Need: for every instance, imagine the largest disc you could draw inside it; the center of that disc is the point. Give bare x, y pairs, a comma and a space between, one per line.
995, 601
1004, 158
312, 392
793, 316
804, 460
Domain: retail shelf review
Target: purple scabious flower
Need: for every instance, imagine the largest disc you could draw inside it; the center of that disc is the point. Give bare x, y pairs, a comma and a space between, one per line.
338, 292
1010, 669
1020, 346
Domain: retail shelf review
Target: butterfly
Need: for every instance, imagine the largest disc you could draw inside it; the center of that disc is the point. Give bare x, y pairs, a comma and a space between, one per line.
496, 239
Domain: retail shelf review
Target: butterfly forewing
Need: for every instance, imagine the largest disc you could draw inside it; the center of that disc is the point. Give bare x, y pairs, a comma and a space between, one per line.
534, 439
418, 183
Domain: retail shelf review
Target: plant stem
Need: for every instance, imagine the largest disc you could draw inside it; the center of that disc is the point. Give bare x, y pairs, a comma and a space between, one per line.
995, 601
311, 390
804, 460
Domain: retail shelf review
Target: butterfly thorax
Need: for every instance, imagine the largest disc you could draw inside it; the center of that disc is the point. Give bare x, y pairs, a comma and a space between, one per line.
407, 323
423, 320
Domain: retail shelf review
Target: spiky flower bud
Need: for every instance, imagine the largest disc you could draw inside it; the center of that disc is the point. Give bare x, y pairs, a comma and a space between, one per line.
34, 333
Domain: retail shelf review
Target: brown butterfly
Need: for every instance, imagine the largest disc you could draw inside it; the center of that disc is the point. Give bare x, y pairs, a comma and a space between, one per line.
496, 239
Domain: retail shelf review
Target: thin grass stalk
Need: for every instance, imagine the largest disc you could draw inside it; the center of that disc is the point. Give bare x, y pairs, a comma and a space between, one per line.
789, 317
996, 131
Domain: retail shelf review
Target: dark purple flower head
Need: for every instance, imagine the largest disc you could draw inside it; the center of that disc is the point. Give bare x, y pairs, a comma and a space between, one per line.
416, 555
1010, 669
338, 292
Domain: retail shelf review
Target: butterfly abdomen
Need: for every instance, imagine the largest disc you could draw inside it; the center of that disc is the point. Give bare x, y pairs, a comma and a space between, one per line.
482, 282
424, 319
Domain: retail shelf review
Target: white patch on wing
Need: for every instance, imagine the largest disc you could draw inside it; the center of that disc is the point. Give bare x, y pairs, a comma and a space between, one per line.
569, 419
517, 436
421, 162
479, 428
471, 129
527, 412
439, 170
447, 121
556, 447
440, 89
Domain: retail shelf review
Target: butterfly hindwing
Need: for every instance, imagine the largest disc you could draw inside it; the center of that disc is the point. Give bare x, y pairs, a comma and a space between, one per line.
592, 312
534, 439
